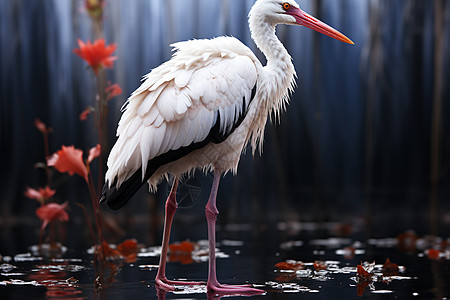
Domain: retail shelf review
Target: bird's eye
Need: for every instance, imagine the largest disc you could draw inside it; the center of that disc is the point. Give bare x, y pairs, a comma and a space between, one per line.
286, 6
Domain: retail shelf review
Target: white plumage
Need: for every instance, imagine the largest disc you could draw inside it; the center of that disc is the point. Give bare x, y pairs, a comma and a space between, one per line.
177, 105
199, 110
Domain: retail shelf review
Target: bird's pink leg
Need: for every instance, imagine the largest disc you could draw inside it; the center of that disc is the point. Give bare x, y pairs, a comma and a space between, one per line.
171, 207
211, 216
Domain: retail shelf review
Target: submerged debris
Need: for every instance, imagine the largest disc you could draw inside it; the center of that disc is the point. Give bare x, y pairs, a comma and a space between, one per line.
366, 274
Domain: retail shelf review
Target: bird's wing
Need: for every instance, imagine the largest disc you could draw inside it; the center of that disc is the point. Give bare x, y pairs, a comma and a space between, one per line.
181, 102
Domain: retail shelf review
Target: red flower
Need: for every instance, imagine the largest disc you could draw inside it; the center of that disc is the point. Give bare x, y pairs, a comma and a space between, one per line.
70, 160
112, 91
94, 153
41, 195
42, 127
51, 212
97, 55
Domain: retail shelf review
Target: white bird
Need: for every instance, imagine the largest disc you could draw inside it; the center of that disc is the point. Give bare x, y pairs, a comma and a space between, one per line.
199, 110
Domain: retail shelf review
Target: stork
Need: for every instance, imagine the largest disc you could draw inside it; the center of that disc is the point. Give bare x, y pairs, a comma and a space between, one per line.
199, 110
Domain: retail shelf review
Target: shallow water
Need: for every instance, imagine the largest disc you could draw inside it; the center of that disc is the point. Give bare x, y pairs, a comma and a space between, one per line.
328, 268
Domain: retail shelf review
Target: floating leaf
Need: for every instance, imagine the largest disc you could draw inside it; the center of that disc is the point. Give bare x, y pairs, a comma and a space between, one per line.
186, 247
433, 254
389, 268
290, 265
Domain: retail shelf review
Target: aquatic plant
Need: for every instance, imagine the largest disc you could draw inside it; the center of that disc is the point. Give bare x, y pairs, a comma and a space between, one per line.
51, 212
41, 194
48, 211
70, 160
97, 54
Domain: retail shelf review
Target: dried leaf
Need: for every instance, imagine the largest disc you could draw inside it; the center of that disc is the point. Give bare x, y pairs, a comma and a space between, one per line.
290, 265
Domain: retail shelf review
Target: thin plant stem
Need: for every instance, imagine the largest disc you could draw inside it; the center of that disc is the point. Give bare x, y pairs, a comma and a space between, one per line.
436, 121
91, 229
96, 209
99, 253
47, 154
52, 235
48, 178
41, 231
101, 122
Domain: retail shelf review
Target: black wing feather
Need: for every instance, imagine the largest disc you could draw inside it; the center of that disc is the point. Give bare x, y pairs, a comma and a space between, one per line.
116, 198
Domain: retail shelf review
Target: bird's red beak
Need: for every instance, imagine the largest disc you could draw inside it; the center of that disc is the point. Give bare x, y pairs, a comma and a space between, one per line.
309, 21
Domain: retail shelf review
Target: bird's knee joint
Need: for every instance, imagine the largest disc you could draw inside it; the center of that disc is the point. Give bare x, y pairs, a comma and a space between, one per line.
171, 203
211, 212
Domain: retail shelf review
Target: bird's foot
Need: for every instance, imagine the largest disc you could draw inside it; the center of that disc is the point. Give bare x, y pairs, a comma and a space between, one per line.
225, 289
170, 285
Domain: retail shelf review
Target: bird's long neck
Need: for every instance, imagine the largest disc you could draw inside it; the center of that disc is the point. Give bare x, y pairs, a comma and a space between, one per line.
277, 78
263, 33
279, 71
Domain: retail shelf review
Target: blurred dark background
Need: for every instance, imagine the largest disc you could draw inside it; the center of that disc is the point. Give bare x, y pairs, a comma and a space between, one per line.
365, 137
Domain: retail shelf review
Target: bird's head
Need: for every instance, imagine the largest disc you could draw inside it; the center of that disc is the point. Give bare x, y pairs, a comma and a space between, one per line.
288, 12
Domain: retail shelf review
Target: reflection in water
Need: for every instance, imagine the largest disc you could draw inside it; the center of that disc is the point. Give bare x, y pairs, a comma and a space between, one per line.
56, 279
289, 267
199, 289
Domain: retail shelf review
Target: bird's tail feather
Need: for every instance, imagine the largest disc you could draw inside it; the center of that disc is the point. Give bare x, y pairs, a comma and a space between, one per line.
116, 198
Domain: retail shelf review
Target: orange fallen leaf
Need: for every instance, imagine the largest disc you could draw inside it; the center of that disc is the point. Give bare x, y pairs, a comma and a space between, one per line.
186, 247
110, 252
319, 265
389, 268
364, 277
128, 249
181, 257
290, 265
362, 273
181, 252
433, 254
